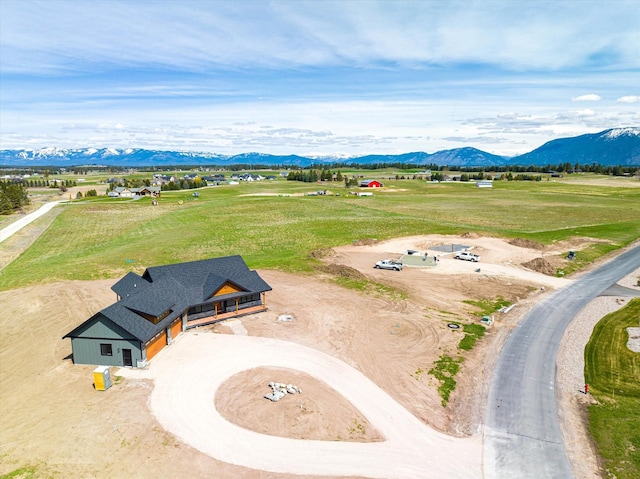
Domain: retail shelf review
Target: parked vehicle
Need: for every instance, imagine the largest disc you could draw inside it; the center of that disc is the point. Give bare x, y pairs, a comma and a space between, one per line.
467, 256
389, 264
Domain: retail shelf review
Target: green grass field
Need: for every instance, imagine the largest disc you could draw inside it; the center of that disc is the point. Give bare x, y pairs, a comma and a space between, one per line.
613, 374
262, 221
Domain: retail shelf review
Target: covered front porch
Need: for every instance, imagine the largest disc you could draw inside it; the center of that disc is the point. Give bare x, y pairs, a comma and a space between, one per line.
216, 316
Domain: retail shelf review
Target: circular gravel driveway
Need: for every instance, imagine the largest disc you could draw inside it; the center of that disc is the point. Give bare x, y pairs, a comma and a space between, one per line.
188, 373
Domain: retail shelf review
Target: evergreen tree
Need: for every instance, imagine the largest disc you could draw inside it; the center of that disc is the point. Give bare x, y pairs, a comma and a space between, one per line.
12, 197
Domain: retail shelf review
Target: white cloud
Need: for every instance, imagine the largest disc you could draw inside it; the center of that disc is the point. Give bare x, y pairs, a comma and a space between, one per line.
629, 99
589, 97
294, 77
198, 36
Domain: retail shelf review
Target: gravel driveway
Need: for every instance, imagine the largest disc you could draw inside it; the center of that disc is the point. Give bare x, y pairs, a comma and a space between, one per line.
188, 373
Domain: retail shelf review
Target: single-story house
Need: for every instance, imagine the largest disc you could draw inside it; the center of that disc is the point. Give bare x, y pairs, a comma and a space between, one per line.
147, 191
250, 177
153, 309
159, 179
371, 184
124, 192
484, 184
214, 179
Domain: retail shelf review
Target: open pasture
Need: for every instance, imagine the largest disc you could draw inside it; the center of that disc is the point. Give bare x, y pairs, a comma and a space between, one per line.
612, 371
273, 224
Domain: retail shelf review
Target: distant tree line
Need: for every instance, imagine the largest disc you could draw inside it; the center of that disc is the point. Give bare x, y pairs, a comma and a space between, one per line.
565, 167
559, 168
312, 175
185, 184
13, 196
46, 183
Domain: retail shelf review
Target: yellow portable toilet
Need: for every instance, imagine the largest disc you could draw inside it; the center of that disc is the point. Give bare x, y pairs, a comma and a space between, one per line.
101, 378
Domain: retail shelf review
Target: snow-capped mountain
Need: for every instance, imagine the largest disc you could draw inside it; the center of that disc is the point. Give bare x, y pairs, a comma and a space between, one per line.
613, 147
105, 156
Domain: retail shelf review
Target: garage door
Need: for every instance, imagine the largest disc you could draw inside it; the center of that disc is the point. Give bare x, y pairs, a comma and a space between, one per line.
156, 345
176, 329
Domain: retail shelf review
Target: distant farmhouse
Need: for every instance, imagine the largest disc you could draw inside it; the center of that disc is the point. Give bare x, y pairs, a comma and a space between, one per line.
124, 192
247, 177
214, 179
153, 309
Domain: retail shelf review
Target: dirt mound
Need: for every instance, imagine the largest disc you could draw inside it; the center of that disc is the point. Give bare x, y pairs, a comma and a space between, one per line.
469, 234
342, 270
365, 242
541, 265
525, 243
322, 253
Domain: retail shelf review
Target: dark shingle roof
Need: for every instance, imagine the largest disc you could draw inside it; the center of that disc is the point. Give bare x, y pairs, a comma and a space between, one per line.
129, 284
175, 287
212, 284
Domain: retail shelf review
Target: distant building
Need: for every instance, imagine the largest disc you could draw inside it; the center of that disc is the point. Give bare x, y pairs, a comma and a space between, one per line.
214, 179
371, 184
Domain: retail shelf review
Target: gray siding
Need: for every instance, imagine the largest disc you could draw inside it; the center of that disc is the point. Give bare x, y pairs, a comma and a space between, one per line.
101, 327
87, 351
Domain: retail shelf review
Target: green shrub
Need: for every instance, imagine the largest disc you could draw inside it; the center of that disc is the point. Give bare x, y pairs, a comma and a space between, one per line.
444, 370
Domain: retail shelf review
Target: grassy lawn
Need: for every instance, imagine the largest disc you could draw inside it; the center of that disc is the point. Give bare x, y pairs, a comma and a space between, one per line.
613, 375
472, 333
272, 228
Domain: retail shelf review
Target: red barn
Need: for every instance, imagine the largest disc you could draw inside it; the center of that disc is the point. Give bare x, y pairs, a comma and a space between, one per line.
371, 184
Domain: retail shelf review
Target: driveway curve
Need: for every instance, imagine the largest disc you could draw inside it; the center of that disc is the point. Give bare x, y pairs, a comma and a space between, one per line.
522, 436
188, 373
16, 226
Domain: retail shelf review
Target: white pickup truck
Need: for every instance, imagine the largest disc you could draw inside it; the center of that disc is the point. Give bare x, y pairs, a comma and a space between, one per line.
389, 264
467, 256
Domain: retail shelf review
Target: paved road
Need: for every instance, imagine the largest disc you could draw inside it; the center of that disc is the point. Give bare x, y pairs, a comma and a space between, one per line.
183, 402
24, 221
522, 436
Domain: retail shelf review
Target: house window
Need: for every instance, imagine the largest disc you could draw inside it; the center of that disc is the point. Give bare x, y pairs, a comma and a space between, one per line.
248, 299
105, 350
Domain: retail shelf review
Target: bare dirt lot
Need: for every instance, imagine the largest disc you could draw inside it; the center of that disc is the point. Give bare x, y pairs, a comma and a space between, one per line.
52, 417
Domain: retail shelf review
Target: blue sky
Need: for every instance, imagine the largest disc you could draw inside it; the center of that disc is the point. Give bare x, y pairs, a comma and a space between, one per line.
315, 77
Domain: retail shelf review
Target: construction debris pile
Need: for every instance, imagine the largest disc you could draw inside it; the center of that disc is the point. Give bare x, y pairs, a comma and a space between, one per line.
280, 390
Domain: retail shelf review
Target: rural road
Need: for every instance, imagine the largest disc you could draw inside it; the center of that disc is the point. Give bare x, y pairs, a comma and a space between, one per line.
183, 399
522, 436
24, 221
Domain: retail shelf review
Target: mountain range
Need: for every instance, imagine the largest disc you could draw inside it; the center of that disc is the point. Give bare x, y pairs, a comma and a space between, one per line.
613, 147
